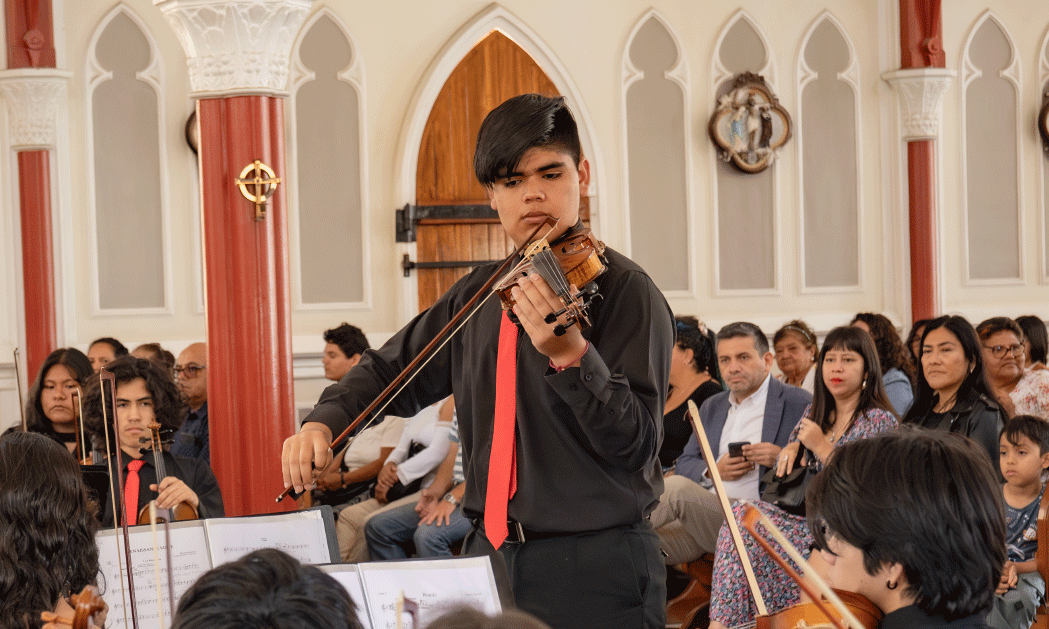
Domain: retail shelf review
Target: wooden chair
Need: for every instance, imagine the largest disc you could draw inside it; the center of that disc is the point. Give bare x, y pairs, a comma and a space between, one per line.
689, 609
1041, 618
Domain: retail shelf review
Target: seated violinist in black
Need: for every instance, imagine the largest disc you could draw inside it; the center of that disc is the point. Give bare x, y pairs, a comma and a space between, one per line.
146, 395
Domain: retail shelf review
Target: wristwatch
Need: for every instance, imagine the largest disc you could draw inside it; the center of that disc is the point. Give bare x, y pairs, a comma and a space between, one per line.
448, 497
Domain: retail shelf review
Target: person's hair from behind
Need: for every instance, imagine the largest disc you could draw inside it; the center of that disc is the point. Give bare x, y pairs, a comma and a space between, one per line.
47, 529
519, 124
154, 351
741, 329
1034, 428
349, 338
266, 589
693, 334
926, 500
1034, 332
167, 404
469, 618
891, 350
79, 367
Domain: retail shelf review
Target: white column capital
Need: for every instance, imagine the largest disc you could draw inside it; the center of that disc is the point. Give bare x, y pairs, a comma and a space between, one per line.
920, 94
236, 47
33, 97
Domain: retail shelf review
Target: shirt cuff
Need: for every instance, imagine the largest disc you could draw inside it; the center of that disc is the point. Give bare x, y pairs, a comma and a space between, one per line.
578, 385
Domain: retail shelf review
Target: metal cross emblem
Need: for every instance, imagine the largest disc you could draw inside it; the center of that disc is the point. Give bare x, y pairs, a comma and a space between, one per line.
263, 183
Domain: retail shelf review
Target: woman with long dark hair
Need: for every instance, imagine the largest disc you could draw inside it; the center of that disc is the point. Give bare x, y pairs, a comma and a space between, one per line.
693, 376
53, 409
952, 393
849, 404
47, 530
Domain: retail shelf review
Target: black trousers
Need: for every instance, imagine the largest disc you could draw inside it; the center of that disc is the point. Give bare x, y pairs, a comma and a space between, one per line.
608, 579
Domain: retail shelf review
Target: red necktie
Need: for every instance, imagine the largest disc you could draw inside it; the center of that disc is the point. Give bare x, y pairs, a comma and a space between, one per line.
502, 464
131, 491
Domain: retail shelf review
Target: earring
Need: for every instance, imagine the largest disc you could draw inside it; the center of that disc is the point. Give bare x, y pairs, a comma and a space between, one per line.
864, 385
891, 585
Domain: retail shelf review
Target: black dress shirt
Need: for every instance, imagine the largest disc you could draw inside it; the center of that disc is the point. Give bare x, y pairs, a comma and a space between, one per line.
197, 475
586, 437
911, 617
192, 440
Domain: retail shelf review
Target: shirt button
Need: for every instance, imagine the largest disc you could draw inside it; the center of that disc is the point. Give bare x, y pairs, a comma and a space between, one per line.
588, 377
573, 387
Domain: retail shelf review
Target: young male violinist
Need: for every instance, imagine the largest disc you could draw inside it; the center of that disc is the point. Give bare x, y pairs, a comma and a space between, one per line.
144, 394
559, 446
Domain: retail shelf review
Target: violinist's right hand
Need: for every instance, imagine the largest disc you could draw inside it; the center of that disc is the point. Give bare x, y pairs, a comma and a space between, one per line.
302, 452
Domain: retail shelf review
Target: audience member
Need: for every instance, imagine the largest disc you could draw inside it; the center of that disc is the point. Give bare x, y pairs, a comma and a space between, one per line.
47, 530
693, 376
153, 351
912, 520
1017, 390
266, 589
469, 618
192, 440
145, 394
757, 410
410, 467
952, 393
1024, 460
434, 524
342, 350
897, 370
796, 348
103, 351
914, 342
1036, 340
849, 405
52, 408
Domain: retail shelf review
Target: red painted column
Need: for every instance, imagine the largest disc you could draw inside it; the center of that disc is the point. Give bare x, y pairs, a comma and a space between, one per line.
38, 269
250, 398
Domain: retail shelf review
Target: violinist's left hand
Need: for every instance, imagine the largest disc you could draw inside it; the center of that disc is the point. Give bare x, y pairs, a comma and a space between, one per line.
173, 491
535, 300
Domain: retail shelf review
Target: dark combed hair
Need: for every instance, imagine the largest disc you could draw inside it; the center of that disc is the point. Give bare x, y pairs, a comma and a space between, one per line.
1035, 333
994, 325
79, 366
1034, 428
919, 325
118, 347
266, 589
928, 500
469, 618
891, 351
349, 338
975, 381
742, 328
872, 393
694, 335
519, 124
47, 529
167, 405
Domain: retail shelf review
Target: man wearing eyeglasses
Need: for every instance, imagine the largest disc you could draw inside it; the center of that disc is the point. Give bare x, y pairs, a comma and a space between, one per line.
191, 376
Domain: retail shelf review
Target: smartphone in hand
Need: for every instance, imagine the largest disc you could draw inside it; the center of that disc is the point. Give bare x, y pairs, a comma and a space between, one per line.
735, 449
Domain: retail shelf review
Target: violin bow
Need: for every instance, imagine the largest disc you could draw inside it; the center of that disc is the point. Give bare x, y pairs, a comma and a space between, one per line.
104, 376
733, 526
18, 385
426, 354
751, 518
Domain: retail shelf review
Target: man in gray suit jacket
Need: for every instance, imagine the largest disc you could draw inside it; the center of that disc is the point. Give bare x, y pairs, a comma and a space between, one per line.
757, 410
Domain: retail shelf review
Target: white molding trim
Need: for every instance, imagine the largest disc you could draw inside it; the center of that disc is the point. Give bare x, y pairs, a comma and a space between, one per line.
679, 74
721, 74
850, 76
33, 98
236, 47
152, 75
353, 75
1011, 74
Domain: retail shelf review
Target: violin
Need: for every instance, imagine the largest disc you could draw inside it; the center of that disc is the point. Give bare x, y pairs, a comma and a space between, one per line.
87, 606
576, 259
181, 511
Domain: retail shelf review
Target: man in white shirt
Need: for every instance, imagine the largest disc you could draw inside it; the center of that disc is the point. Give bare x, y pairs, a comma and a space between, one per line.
758, 411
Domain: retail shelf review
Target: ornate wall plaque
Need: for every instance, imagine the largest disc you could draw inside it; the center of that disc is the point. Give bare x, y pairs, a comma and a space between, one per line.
749, 124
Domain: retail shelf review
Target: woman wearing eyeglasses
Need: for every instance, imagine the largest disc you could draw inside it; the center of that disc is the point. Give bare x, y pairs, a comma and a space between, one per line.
953, 394
1019, 391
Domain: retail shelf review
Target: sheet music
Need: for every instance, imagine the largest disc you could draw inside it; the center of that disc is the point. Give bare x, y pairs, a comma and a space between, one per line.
347, 576
189, 560
301, 534
437, 585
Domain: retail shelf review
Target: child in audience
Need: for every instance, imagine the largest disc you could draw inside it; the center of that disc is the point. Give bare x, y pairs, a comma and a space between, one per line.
1024, 459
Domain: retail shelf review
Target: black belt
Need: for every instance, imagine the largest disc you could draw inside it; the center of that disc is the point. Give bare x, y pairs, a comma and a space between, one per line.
517, 533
